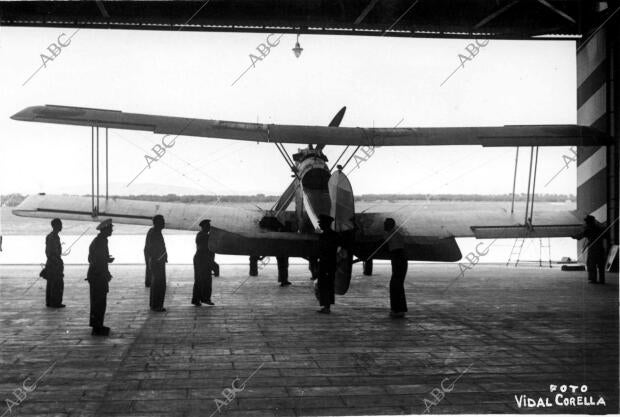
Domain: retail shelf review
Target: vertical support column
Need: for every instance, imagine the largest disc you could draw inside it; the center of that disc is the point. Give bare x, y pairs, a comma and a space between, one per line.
596, 180
613, 153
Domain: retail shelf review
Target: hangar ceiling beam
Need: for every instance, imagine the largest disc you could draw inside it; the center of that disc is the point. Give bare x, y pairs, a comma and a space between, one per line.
496, 13
558, 11
102, 9
365, 12
498, 19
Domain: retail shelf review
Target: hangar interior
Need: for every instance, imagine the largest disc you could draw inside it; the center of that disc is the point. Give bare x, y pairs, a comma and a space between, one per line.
595, 25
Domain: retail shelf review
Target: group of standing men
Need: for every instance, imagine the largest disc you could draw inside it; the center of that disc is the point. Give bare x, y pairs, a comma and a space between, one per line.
98, 275
329, 241
156, 257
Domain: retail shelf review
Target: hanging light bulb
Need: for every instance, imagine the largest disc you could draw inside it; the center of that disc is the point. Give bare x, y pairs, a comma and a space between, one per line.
297, 49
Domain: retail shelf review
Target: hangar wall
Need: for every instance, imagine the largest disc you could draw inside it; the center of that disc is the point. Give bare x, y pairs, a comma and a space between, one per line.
597, 166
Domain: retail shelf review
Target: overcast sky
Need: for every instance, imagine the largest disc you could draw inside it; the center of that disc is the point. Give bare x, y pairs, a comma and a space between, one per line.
189, 74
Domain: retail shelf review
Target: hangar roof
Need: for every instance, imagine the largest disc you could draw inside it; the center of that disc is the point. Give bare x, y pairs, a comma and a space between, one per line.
502, 19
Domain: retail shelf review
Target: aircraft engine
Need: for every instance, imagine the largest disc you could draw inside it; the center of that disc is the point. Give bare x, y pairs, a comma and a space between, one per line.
313, 195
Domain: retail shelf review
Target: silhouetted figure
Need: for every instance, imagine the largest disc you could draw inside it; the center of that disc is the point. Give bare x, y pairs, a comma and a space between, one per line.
594, 232
344, 257
157, 258
98, 277
254, 266
147, 272
328, 246
283, 260
283, 270
54, 267
313, 266
396, 248
203, 265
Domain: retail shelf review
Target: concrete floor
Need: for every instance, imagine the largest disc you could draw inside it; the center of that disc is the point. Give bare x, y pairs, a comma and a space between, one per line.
496, 334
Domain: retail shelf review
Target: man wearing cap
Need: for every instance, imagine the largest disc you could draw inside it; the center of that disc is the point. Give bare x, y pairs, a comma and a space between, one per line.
99, 276
54, 267
396, 248
155, 249
595, 235
203, 264
328, 247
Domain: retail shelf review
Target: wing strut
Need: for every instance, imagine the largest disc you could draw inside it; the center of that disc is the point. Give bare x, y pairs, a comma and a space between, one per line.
351, 157
336, 163
529, 204
94, 169
514, 182
287, 197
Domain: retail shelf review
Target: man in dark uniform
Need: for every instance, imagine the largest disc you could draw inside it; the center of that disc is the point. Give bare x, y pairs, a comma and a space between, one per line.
254, 265
203, 265
283, 260
595, 235
396, 248
147, 272
157, 257
54, 267
98, 277
328, 246
313, 266
283, 271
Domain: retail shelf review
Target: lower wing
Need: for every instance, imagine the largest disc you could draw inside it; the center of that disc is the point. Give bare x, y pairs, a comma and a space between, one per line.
429, 232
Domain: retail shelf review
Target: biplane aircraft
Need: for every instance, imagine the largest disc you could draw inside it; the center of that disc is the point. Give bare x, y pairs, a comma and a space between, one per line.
429, 235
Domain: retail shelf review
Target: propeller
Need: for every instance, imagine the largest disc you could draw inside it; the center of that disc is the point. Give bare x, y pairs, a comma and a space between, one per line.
334, 123
287, 197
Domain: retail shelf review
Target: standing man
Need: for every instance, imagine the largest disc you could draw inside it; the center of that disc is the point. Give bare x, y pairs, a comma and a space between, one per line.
396, 248
98, 277
313, 266
283, 260
147, 272
283, 271
328, 246
203, 265
157, 257
254, 266
54, 267
595, 234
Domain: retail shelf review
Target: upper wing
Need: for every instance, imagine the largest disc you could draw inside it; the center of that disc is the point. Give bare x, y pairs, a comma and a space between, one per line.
531, 135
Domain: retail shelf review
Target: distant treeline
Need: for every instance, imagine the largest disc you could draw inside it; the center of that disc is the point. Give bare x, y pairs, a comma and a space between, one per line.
465, 197
12, 200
